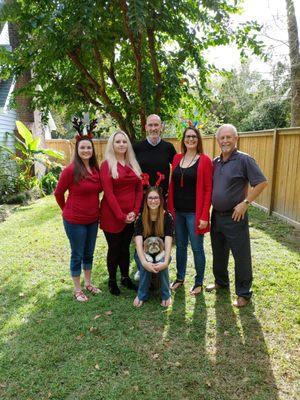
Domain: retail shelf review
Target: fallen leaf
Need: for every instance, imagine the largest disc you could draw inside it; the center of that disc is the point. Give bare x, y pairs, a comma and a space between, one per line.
80, 336
108, 312
226, 333
178, 364
155, 356
92, 329
126, 372
136, 388
208, 383
97, 316
21, 295
97, 366
3, 385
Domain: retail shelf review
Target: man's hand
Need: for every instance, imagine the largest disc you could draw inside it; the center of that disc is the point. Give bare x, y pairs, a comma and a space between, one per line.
239, 211
202, 224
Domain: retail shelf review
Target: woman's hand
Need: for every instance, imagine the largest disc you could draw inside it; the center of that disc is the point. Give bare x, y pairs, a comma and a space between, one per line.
160, 266
202, 224
150, 267
130, 217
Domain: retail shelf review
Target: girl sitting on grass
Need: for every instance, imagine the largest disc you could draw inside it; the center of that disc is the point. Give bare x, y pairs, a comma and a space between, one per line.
153, 221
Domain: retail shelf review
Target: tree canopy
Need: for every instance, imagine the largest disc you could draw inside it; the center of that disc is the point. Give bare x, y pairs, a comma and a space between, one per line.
250, 101
125, 58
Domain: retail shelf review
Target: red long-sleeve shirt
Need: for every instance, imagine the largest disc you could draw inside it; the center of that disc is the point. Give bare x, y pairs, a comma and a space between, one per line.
121, 196
203, 190
82, 204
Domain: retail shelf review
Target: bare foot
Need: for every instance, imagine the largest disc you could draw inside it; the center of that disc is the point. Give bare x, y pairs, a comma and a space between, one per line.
137, 302
166, 303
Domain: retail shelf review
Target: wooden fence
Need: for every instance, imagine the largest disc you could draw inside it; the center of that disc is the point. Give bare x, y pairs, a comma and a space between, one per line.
277, 152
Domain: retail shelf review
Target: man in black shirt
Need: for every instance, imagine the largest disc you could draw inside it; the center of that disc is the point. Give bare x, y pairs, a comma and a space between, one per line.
154, 154
233, 172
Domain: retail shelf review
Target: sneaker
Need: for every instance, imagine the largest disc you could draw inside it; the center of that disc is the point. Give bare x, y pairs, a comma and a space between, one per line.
137, 276
113, 288
127, 282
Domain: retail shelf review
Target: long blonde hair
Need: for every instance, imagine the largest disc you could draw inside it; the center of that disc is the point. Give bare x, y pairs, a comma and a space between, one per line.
146, 217
130, 159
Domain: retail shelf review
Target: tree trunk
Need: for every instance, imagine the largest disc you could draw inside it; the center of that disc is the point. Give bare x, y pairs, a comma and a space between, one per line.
295, 63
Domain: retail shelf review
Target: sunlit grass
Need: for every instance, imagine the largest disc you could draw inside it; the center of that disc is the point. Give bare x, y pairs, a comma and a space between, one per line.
52, 347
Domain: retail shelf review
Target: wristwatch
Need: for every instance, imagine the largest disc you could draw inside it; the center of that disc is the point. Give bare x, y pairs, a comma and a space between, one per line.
246, 201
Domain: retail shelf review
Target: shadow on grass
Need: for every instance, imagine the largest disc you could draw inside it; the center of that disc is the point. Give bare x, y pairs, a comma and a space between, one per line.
274, 227
243, 368
106, 349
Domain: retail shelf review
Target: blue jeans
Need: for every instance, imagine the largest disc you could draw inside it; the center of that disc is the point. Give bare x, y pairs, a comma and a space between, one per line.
145, 279
82, 241
185, 230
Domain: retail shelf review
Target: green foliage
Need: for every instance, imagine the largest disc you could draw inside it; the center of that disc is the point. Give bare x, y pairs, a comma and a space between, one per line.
49, 180
250, 101
123, 58
8, 178
270, 114
27, 154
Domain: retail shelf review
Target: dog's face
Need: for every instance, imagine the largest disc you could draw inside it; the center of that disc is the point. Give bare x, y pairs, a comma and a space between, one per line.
153, 245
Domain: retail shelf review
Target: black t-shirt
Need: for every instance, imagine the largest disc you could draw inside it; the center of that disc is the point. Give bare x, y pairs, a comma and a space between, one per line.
153, 159
168, 226
185, 196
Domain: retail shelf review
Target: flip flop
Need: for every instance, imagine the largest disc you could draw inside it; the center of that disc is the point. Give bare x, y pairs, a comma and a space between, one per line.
195, 287
176, 284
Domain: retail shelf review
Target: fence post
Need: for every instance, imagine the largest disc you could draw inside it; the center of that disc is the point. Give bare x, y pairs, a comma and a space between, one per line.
214, 146
272, 179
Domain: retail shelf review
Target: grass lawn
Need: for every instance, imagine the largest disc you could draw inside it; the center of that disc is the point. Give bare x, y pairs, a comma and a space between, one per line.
52, 347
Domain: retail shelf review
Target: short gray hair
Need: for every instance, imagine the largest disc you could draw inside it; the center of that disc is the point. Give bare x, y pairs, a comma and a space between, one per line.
153, 115
230, 127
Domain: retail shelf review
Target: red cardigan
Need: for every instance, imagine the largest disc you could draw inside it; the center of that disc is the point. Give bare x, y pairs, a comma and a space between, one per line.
82, 205
121, 196
203, 190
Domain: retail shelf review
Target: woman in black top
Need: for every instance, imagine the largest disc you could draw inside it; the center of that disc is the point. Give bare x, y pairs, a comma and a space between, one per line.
153, 225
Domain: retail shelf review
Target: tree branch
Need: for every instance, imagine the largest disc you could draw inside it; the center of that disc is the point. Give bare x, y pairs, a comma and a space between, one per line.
156, 72
136, 45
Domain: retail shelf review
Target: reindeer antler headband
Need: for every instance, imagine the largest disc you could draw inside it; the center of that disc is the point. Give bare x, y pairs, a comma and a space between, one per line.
145, 179
79, 126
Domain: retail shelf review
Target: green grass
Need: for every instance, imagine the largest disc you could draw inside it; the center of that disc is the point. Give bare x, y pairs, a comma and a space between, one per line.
52, 347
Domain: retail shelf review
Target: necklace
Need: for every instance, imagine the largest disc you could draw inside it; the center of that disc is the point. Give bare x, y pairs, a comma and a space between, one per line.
182, 169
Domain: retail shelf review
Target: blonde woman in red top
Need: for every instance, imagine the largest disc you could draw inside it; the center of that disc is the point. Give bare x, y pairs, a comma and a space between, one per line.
121, 179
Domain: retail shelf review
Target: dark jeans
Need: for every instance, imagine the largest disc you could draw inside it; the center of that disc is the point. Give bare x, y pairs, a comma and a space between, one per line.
226, 235
82, 241
145, 279
118, 251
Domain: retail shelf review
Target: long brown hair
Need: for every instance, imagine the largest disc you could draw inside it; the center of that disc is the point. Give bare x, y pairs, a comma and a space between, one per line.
146, 217
199, 144
80, 172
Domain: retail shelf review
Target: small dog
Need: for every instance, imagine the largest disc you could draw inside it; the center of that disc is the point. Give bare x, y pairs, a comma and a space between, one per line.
154, 249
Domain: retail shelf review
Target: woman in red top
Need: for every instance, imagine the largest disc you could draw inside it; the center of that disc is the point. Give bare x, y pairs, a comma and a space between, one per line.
81, 211
122, 186
189, 201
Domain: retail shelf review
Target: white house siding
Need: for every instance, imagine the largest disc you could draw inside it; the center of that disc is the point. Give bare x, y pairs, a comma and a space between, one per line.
7, 124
